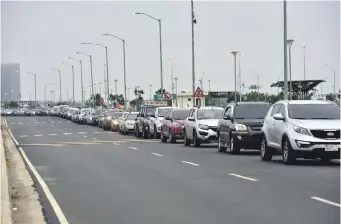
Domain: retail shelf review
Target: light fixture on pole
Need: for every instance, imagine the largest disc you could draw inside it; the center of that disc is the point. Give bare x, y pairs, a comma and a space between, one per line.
304, 47
160, 38
73, 80
60, 83
35, 85
81, 68
107, 63
92, 78
334, 87
124, 65
234, 53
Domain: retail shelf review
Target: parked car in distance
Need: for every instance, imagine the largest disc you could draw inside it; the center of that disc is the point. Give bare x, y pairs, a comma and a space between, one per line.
201, 125
106, 124
142, 120
96, 116
127, 124
240, 126
308, 129
172, 125
155, 122
115, 121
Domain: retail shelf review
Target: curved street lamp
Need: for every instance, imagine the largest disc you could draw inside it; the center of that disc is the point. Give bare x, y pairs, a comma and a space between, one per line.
35, 85
60, 83
81, 66
106, 58
92, 79
73, 80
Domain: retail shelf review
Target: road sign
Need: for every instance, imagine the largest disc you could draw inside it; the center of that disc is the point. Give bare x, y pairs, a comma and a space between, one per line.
101, 101
166, 95
198, 93
159, 97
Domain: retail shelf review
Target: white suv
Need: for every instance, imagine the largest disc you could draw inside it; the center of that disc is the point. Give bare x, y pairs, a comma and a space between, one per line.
307, 129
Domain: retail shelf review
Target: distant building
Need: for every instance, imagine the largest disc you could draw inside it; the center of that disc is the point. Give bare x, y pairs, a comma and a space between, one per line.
10, 82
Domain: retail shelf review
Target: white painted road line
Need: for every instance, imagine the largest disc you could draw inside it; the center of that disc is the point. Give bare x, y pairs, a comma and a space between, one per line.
23, 136
193, 164
242, 177
58, 211
12, 123
96, 132
67, 133
53, 134
81, 132
325, 201
115, 143
19, 123
156, 154
133, 148
37, 135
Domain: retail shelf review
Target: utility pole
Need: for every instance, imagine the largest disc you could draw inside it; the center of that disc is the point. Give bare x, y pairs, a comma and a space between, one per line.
234, 53
240, 78
285, 89
115, 80
193, 21
290, 86
176, 91
150, 92
304, 46
67, 95
209, 85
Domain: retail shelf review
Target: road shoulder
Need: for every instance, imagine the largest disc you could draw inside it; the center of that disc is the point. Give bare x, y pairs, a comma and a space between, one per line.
24, 201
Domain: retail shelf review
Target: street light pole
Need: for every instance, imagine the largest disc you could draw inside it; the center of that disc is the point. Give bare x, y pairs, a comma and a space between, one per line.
290, 87
73, 81
209, 85
10, 94
176, 91
115, 80
124, 66
171, 71
60, 83
106, 58
35, 85
285, 89
193, 21
334, 87
81, 68
150, 92
67, 95
304, 46
92, 78
240, 77
234, 53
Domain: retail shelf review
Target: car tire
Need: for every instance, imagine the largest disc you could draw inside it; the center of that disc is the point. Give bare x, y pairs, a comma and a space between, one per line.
196, 141
171, 138
234, 149
265, 151
145, 134
156, 135
220, 147
162, 137
325, 160
150, 135
288, 154
187, 142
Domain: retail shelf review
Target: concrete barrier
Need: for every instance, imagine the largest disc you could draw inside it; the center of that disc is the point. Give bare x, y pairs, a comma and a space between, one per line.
5, 205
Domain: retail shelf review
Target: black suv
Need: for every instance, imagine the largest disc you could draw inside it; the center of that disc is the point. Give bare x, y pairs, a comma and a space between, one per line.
142, 120
240, 126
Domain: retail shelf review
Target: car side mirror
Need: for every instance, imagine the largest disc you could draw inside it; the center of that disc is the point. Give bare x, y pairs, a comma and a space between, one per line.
278, 117
190, 118
167, 118
227, 117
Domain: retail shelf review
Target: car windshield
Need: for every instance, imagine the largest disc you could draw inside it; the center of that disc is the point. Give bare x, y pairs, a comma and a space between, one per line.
209, 113
118, 114
150, 110
131, 116
111, 113
314, 111
180, 114
97, 112
163, 111
251, 111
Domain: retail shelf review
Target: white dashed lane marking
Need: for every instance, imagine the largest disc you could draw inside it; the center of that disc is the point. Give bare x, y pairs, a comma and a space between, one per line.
133, 148
67, 133
325, 201
190, 163
156, 154
242, 177
81, 132
19, 123
23, 136
52, 134
38, 135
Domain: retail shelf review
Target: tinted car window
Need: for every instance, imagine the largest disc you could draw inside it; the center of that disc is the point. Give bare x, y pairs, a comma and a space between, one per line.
111, 113
251, 111
150, 110
313, 111
99, 112
162, 112
118, 114
131, 116
282, 110
180, 114
209, 113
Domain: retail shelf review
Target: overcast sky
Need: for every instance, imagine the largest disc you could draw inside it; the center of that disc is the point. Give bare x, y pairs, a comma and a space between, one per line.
40, 35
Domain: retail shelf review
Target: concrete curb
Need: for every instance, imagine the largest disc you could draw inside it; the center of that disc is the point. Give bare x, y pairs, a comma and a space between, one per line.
5, 205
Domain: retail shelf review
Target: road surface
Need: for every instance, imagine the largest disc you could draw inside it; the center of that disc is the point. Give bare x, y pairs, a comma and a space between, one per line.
103, 177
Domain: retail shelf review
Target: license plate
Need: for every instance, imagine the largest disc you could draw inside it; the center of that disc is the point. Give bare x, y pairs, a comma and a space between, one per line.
331, 148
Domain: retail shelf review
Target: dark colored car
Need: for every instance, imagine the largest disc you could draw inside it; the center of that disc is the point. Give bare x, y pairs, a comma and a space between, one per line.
241, 125
141, 121
96, 116
172, 125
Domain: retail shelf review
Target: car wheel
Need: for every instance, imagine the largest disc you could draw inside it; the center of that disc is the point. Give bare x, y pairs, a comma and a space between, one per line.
265, 151
163, 137
187, 142
196, 140
156, 135
325, 160
287, 153
234, 149
171, 138
150, 135
221, 148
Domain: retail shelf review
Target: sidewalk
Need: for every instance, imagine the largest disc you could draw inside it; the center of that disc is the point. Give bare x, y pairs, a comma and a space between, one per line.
5, 202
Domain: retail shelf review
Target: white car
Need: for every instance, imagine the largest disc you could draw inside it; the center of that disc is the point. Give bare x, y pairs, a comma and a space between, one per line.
201, 125
127, 123
302, 129
155, 121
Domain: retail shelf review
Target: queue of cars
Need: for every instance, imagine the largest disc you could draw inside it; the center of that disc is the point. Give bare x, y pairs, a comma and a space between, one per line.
24, 112
307, 129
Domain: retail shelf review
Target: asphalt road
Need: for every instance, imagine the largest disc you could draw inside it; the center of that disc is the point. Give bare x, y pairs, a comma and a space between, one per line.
104, 177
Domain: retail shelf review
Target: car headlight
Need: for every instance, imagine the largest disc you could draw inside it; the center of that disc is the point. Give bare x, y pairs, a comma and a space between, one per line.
203, 126
115, 122
302, 131
241, 127
109, 117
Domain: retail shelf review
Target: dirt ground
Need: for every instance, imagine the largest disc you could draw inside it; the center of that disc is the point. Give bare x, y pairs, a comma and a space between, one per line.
25, 200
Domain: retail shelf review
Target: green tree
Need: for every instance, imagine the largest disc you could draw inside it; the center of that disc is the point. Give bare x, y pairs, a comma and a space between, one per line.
159, 91
117, 98
11, 104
